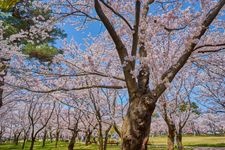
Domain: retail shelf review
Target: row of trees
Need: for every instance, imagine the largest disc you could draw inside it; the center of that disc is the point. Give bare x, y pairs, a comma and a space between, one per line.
150, 55
43, 117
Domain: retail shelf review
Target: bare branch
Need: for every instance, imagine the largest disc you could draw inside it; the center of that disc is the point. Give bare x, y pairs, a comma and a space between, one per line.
209, 45
58, 75
211, 51
66, 89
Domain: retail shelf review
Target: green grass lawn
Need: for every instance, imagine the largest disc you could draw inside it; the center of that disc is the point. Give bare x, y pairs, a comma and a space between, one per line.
157, 143
193, 141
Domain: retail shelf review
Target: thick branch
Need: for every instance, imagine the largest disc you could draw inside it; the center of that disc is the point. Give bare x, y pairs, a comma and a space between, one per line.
143, 76
136, 31
142, 50
121, 49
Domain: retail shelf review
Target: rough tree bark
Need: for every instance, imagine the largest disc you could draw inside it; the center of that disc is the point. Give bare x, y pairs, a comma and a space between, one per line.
170, 125
142, 100
171, 136
136, 126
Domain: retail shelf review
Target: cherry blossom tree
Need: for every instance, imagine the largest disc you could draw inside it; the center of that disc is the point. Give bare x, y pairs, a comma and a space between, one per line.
207, 123
39, 114
177, 108
89, 124
144, 46
74, 118
210, 94
142, 98
104, 107
161, 31
27, 27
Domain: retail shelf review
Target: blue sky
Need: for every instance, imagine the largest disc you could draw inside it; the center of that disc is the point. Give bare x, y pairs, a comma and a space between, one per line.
92, 28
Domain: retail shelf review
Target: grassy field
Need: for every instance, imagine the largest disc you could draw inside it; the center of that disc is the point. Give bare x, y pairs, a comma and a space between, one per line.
157, 143
193, 141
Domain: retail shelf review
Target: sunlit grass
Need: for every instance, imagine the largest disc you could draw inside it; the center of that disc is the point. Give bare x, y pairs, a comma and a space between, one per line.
156, 143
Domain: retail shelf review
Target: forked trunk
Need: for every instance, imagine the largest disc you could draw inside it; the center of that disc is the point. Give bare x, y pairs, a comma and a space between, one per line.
136, 125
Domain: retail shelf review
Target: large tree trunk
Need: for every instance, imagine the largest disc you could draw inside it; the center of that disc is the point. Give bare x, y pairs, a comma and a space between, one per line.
72, 141
179, 141
32, 143
171, 136
136, 125
44, 138
57, 137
